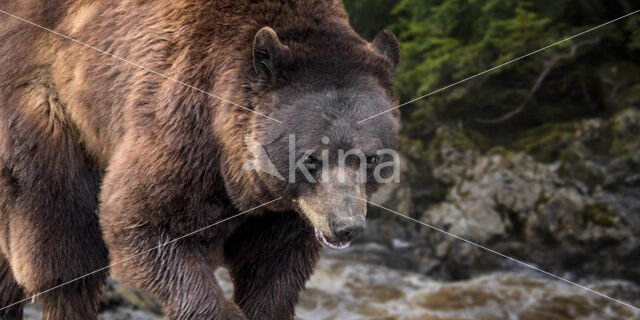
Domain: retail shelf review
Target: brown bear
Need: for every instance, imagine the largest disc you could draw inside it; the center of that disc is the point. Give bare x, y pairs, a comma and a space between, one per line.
124, 128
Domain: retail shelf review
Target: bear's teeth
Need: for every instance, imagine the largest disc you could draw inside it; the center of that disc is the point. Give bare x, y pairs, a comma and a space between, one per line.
327, 243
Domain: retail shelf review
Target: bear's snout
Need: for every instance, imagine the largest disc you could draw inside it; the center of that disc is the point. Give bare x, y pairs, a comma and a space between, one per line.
347, 229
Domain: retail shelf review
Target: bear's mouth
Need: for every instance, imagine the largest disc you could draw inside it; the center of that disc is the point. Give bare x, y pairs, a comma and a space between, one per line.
329, 244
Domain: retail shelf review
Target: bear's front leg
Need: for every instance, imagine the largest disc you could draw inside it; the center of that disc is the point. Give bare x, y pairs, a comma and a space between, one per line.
147, 202
270, 257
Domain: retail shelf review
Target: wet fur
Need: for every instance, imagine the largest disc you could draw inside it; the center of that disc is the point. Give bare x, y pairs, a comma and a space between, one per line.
96, 153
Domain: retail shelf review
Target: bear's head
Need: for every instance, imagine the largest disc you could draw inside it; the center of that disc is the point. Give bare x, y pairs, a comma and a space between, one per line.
320, 155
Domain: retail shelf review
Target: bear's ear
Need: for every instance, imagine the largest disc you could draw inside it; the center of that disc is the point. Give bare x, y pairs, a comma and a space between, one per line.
386, 44
269, 54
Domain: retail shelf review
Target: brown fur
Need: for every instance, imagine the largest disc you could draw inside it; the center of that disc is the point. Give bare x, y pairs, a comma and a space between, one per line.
82, 132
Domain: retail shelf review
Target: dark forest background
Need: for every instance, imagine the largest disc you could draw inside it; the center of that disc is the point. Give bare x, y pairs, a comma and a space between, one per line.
446, 41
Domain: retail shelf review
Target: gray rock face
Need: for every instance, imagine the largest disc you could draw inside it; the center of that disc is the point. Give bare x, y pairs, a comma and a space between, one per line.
503, 192
577, 214
567, 200
396, 195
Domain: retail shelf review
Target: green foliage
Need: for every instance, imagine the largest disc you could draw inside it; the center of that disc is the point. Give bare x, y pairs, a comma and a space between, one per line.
446, 41
370, 16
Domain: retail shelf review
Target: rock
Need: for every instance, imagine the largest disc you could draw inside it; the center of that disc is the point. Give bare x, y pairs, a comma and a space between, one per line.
479, 207
484, 224
396, 195
577, 214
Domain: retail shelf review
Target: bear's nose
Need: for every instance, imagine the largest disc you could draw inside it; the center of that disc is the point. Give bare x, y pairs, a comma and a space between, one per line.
346, 230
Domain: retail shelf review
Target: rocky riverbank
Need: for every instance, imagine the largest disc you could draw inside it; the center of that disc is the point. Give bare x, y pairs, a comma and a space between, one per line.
565, 198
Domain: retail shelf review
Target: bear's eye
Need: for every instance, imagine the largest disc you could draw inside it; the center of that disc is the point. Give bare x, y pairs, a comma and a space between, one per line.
311, 163
372, 161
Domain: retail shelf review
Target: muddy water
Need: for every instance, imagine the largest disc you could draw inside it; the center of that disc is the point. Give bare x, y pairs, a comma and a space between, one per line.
344, 287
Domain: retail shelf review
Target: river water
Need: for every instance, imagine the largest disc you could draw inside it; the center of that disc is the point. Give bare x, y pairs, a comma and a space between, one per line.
343, 289
347, 287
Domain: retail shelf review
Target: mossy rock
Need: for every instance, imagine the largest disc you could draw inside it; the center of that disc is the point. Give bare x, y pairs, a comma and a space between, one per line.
543, 199
547, 142
500, 150
447, 136
601, 214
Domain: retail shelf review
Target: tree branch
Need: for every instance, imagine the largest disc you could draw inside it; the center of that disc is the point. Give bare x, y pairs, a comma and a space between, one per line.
548, 66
